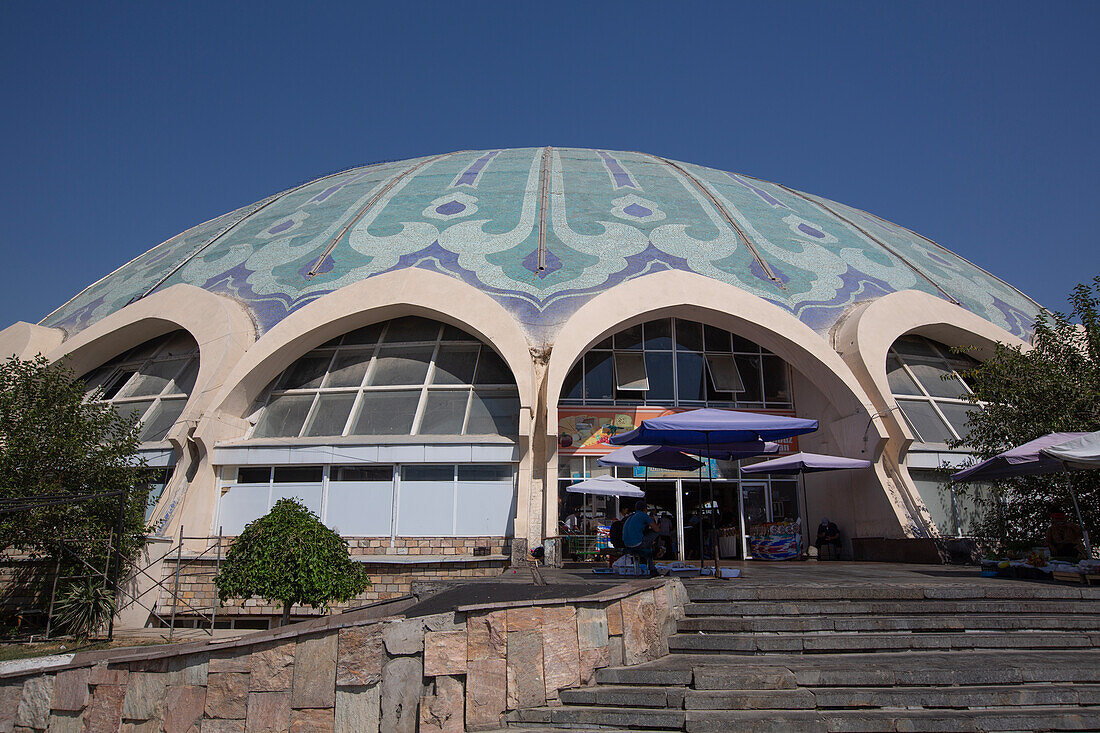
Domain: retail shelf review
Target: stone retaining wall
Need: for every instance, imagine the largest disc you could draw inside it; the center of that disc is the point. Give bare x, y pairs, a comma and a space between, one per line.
456, 671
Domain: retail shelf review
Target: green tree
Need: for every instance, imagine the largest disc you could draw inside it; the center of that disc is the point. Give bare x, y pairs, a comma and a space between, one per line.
56, 443
1022, 394
287, 555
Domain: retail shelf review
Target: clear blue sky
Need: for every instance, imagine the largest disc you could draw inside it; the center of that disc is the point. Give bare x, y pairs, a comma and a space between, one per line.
123, 124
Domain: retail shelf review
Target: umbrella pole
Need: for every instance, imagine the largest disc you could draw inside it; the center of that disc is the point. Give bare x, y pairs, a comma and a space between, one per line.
699, 507
1080, 521
806, 513
713, 522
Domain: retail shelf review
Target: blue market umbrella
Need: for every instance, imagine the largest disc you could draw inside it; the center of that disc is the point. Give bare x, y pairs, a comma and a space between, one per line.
708, 427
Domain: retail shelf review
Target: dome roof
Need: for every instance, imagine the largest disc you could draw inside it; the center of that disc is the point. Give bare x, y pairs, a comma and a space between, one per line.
542, 230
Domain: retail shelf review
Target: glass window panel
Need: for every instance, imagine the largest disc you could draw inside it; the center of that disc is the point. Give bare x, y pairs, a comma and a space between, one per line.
784, 496
933, 491
723, 373
491, 369
411, 328
749, 369
95, 378
484, 508
924, 420
331, 343
253, 474
178, 344
348, 368
308, 494
599, 380
689, 375
630, 338
306, 373
361, 473
132, 411
744, 345
915, 346
444, 412
717, 339
401, 365
283, 416
604, 345
241, 505
658, 368
658, 335
573, 388
185, 382
152, 379
689, 335
386, 413
930, 375
450, 333
900, 381
485, 472
161, 419
297, 474
365, 335
630, 371
426, 508
776, 389
330, 415
144, 351
493, 413
115, 383
362, 507
455, 364
957, 415
156, 480
427, 473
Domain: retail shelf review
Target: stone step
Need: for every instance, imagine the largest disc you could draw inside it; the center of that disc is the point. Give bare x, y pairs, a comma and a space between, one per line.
577, 716
893, 697
645, 675
809, 643
923, 623
885, 607
638, 696
997, 590
1000, 719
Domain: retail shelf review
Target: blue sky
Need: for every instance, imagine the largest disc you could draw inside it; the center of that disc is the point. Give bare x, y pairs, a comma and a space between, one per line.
123, 124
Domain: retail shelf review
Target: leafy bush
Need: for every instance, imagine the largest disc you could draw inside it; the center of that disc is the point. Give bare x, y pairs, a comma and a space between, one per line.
288, 555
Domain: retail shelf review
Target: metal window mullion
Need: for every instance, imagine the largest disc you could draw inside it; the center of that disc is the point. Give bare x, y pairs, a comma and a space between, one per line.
675, 365
469, 404
324, 491
396, 494
309, 414
428, 377
454, 500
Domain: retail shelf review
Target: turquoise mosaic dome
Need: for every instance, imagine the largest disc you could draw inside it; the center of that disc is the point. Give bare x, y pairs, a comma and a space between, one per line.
542, 230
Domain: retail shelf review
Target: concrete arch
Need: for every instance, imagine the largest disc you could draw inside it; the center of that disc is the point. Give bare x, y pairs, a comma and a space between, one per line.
864, 337
408, 292
221, 327
845, 412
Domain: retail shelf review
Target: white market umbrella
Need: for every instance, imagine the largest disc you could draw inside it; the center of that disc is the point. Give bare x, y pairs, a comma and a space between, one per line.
605, 486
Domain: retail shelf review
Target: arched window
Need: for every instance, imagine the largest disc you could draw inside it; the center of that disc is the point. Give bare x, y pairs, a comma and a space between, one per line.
673, 362
149, 384
407, 376
925, 379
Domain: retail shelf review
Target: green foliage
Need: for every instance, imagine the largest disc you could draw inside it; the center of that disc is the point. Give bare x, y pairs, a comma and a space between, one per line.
84, 608
287, 555
55, 442
1024, 394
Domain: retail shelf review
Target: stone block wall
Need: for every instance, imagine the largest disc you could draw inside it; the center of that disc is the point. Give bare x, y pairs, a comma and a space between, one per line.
450, 672
196, 587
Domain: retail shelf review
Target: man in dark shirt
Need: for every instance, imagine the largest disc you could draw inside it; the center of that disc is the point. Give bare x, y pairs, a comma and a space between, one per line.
828, 535
616, 533
640, 532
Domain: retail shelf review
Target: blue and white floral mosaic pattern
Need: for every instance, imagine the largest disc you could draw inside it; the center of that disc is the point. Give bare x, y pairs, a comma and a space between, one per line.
611, 217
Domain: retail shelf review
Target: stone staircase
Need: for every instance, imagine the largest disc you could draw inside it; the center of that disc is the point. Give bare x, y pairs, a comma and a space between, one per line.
974, 656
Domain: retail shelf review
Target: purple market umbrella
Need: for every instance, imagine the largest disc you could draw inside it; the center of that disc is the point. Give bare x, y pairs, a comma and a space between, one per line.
650, 456
731, 451
708, 427
1029, 459
805, 463
1024, 460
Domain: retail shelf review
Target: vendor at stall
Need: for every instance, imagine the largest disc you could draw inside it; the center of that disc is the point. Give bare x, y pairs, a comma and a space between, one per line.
828, 535
1064, 538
